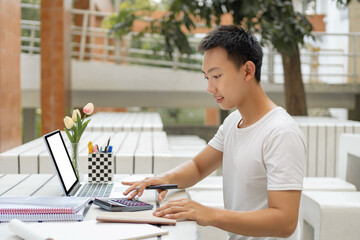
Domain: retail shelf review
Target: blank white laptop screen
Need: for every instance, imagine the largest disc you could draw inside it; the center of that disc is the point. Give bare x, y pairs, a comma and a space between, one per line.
62, 160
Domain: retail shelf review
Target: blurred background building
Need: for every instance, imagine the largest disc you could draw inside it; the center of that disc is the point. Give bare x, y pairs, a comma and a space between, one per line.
57, 55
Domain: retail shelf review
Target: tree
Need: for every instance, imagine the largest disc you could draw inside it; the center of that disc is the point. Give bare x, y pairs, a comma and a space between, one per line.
275, 20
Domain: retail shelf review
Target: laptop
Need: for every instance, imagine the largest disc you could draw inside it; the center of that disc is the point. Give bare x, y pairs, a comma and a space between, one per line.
66, 173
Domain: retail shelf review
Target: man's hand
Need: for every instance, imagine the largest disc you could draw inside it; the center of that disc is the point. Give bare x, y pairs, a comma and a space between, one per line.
187, 209
137, 188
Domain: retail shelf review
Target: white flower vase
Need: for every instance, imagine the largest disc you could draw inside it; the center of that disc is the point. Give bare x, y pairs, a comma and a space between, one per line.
75, 160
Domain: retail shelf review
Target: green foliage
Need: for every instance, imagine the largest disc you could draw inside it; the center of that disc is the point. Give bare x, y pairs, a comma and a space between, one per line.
129, 11
182, 116
32, 14
274, 20
343, 3
69, 135
279, 24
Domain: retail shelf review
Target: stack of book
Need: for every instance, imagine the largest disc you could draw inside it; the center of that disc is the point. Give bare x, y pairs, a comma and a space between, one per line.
39, 209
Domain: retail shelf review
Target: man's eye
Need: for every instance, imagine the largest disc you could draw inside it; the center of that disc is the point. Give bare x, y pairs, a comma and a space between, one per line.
217, 76
206, 78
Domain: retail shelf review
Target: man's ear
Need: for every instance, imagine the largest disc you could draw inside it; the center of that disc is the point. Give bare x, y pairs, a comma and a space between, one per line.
249, 68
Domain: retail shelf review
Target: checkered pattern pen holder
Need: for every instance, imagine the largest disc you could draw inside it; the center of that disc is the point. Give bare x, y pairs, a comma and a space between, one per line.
100, 167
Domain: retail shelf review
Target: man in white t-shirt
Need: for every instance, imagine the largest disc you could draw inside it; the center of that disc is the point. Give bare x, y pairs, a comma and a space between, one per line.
260, 147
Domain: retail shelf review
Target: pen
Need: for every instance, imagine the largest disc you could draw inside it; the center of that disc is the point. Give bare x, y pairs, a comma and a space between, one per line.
108, 142
162, 187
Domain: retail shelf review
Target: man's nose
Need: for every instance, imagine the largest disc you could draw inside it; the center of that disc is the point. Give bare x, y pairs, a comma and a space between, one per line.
210, 88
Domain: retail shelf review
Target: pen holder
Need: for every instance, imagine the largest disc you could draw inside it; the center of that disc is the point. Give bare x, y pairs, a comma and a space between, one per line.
100, 167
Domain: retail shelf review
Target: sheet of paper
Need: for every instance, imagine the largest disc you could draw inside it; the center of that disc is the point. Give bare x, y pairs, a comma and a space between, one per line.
93, 230
24, 231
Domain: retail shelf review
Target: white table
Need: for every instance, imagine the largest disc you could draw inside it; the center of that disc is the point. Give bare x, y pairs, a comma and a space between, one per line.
48, 185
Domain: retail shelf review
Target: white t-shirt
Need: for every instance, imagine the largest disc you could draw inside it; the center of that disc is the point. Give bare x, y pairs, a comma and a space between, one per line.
268, 155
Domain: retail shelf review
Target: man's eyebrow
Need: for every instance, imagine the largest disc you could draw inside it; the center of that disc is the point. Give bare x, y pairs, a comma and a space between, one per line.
210, 70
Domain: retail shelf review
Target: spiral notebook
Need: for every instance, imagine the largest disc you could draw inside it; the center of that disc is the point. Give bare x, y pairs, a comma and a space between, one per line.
39, 209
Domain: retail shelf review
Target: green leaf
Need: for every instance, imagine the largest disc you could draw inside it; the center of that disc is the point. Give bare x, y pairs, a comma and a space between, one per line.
75, 133
82, 129
69, 135
78, 121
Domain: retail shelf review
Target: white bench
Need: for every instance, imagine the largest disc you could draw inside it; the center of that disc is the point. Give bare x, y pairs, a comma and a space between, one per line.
327, 184
213, 186
319, 186
331, 215
125, 121
134, 152
163, 158
209, 192
335, 215
177, 150
144, 154
124, 156
349, 146
323, 138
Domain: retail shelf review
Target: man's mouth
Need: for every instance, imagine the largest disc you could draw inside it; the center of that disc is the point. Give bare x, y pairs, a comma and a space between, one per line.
219, 99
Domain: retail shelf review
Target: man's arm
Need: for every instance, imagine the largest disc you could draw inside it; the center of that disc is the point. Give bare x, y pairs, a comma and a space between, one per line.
185, 175
278, 220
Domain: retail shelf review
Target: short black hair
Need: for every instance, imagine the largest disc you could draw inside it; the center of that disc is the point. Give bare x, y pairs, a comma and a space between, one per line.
240, 45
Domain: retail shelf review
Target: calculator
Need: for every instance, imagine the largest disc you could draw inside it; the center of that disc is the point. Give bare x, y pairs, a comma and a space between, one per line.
122, 204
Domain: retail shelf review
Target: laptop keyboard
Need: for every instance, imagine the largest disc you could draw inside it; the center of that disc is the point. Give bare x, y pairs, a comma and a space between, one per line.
96, 190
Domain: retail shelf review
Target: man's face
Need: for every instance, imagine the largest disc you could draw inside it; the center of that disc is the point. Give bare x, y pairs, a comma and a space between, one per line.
226, 83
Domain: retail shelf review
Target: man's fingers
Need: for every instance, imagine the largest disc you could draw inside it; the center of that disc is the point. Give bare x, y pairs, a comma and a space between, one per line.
169, 205
133, 194
138, 188
175, 209
180, 215
162, 195
127, 183
131, 188
141, 189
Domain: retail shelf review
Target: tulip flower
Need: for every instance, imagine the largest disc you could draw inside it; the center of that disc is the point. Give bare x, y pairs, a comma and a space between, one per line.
69, 123
88, 109
74, 115
76, 125
74, 128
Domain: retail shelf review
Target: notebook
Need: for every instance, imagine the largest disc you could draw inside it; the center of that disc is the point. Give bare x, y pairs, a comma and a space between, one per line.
32, 209
133, 217
66, 173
